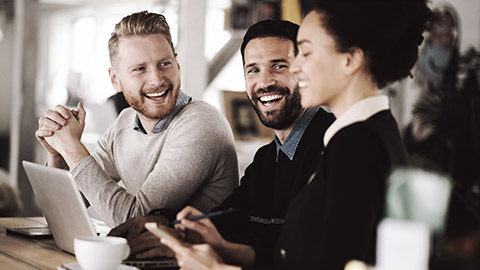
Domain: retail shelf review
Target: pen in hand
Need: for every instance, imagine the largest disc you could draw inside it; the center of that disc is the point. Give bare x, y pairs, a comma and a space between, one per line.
212, 214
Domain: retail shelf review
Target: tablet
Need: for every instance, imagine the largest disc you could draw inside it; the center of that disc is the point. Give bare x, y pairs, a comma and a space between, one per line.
162, 231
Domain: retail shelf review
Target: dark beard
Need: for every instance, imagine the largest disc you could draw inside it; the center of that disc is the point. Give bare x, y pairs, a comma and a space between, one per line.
286, 115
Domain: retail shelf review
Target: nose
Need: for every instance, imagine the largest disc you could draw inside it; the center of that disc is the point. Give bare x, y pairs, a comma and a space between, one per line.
266, 79
155, 78
295, 66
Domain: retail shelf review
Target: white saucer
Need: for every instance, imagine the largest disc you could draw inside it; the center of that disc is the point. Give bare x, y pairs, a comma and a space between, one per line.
76, 266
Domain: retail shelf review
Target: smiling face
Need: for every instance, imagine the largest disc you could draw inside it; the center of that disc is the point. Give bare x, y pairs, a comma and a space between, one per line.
271, 88
147, 72
318, 66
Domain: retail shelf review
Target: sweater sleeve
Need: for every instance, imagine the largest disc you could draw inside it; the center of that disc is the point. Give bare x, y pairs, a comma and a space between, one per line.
197, 166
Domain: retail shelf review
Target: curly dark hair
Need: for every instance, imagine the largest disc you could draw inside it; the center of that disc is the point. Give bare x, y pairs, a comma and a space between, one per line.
389, 32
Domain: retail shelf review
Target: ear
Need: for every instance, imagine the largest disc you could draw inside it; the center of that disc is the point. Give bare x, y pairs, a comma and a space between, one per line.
114, 79
354, 60
176, 60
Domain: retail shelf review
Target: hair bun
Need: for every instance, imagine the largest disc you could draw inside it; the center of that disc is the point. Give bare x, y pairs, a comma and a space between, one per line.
388, 31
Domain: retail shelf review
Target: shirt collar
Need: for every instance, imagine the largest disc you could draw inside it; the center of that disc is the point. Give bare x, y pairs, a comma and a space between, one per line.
182, 101
360, 111
289, 147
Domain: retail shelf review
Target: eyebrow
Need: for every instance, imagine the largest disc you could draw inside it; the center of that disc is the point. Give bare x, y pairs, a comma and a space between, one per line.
300, 42
145, 63
281, 60
135, 66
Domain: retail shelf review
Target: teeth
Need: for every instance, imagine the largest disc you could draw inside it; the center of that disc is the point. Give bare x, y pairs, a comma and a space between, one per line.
270, 98
302, 84
154, 95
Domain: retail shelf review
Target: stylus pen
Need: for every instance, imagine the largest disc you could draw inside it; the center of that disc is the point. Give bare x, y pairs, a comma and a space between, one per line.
212, 214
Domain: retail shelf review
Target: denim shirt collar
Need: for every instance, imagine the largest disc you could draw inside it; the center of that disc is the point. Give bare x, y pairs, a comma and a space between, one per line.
289, 147
182, 101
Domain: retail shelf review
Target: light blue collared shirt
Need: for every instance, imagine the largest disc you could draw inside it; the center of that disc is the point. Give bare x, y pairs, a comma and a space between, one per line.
289, 147
163, 124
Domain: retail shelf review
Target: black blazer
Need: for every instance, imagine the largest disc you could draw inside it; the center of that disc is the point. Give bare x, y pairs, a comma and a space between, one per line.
334, 219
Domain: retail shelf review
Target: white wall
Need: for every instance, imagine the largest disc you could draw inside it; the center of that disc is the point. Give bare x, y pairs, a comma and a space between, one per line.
6, 53
190, 48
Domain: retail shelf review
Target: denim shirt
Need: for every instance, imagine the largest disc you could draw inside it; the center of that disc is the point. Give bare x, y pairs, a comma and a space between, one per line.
293, 139
182, 101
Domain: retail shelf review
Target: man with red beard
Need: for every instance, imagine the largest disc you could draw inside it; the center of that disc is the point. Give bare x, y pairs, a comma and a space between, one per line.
168, 150
279, 170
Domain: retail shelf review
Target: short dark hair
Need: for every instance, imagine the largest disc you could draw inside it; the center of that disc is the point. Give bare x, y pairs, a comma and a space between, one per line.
271, 28
389, 32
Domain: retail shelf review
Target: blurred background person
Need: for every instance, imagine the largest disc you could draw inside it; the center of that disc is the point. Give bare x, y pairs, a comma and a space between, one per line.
10, 203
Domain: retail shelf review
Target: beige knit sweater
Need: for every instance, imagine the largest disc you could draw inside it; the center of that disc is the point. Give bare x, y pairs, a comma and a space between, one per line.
193, 162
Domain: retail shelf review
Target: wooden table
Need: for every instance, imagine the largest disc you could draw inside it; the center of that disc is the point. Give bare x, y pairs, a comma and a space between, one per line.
18, 252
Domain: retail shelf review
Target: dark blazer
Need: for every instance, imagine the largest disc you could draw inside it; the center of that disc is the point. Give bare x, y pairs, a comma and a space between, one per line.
334, 218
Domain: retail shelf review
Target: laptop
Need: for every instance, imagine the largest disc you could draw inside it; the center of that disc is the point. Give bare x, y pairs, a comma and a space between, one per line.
61, 203
65, 211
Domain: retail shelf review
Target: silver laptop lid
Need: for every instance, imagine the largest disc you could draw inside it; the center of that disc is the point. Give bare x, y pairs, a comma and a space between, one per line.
61, 203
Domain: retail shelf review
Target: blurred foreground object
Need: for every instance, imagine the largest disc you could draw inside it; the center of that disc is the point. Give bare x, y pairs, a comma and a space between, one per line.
430, 199
402, 245
417, 195
416, 208
358, 265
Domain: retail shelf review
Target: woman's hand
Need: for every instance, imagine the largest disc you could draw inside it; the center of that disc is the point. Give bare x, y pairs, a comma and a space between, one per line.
199, 256
203, 231
200, 231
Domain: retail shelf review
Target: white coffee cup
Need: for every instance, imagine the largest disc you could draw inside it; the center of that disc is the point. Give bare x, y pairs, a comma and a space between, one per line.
100, 252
